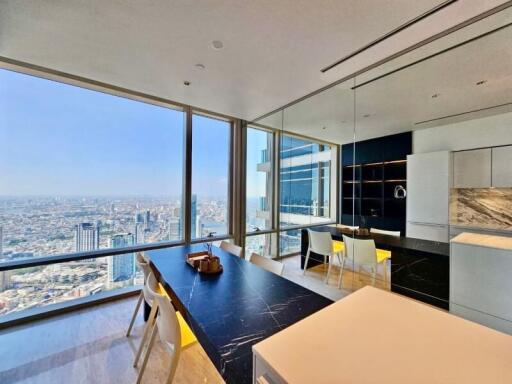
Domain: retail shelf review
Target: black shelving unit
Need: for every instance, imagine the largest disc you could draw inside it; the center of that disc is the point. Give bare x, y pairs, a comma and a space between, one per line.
368, 185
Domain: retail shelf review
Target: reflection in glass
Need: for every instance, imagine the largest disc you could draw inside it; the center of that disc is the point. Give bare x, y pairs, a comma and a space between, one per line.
259, 180
260, 244
305, 181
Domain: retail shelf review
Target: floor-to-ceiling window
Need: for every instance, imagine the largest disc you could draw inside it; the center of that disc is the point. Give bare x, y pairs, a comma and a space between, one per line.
211, 140
82, 170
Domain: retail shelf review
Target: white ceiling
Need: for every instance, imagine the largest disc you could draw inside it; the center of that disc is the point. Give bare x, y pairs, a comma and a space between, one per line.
401, 101
273, 49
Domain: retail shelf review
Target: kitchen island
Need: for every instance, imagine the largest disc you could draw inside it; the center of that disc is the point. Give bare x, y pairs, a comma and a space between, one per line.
419, 268
481, 270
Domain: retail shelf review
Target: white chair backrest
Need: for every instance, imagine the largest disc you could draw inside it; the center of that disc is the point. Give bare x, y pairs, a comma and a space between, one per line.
320, 242
143, 264
266, 263
231, 248
149, 288
359, 250
168, 325
383, 232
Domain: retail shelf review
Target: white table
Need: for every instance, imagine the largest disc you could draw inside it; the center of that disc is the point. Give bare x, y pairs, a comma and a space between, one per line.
374, 336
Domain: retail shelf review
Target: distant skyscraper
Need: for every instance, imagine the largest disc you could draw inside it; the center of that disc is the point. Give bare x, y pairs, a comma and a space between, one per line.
193, 217
87, 237
138, 218
121, 267
139, 234
1, 242
5, 283
175, 229
147, 220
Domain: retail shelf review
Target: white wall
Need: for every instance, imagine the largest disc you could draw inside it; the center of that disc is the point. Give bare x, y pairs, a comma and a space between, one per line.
484, 132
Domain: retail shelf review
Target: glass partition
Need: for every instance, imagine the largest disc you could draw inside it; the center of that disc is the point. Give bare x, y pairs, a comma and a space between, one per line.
448, 194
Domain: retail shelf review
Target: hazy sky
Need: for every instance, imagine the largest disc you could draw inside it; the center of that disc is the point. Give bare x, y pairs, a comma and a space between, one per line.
56, 139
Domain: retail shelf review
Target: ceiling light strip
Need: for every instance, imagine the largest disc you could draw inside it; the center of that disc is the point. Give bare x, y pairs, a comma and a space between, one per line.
432, 56
463, 113
428, 40
390, 34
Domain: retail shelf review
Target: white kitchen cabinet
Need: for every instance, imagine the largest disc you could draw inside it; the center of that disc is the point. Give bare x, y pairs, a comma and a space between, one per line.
472, 169
502, 167
428, 190
480, 282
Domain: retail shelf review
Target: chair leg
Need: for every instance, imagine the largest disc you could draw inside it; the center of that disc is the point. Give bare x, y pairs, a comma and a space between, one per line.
306, 262
149, 326
132, 321
328, 269
146, 356
174, 365
341, 272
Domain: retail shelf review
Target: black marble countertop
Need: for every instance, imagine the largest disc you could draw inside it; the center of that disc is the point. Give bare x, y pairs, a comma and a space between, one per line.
394, 243
234, 310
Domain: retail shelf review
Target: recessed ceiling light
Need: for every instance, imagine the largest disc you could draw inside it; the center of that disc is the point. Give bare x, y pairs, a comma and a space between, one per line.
435, 95
217, 44
481, 82
200, 66
187, 83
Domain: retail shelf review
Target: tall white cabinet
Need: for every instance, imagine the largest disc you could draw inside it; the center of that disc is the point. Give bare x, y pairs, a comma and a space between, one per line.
472, 169
429, 179
502, 167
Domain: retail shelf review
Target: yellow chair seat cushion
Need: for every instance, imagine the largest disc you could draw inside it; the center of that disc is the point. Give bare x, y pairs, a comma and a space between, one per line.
382, 255
338, 246
187, 336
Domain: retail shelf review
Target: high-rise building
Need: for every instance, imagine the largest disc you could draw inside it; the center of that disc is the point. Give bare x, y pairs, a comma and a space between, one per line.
193, 216
175, 229
5, 280
121, 267
139, 233
1, 242
87, 237
147, 220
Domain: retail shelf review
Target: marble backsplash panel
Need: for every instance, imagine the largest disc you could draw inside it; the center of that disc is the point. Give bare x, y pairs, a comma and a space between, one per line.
489, 208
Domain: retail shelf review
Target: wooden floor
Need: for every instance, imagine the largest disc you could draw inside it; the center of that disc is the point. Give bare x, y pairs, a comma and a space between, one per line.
90, 346
314, 278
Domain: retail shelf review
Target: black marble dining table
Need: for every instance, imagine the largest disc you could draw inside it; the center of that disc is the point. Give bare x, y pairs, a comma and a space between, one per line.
420, 268
231, 311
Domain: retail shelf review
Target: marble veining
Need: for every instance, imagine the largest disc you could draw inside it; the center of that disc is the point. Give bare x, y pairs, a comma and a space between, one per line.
234, 310
489, 208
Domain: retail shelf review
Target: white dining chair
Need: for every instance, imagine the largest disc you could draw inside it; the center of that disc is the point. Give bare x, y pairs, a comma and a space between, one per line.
167, 326
384, 232
363, 253
382, 255
231, 248
266, 263
149, 289
143, 264
322, 244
